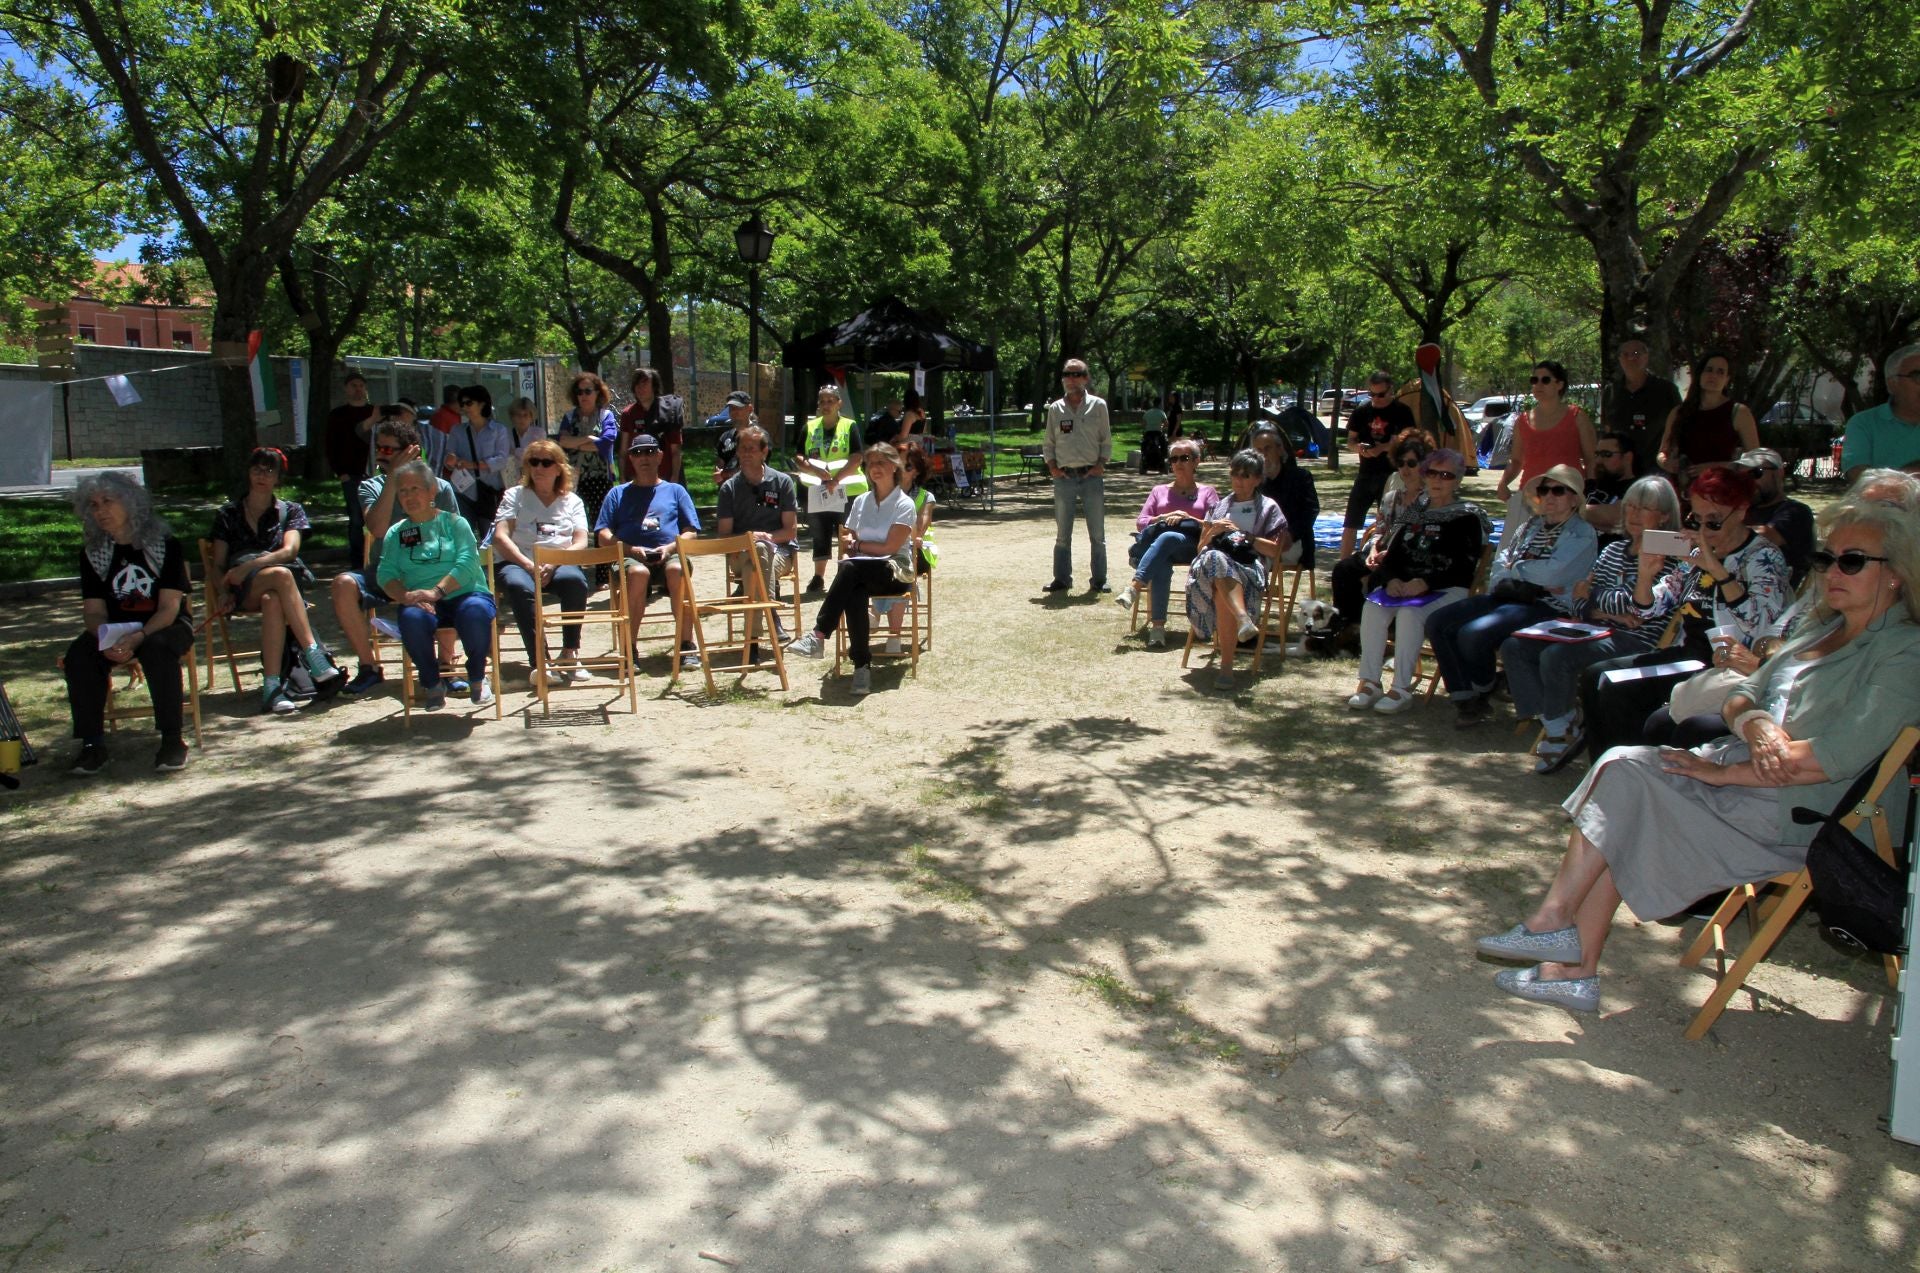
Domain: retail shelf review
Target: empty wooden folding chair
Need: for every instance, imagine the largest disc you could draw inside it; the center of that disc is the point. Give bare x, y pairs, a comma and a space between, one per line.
1773, 903
617, 663
754, 609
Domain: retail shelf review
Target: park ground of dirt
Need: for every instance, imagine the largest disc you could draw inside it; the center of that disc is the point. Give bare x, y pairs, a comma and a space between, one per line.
1049, 959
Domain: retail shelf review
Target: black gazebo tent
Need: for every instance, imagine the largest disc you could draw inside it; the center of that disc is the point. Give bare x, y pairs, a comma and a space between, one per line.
892, 336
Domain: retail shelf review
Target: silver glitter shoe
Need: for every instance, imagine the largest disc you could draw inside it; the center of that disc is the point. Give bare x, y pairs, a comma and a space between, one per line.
1561, 946
1579, 994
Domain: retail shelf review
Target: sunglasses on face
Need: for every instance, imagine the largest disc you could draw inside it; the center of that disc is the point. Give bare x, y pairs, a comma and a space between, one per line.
1442, 475
1376, 393
1607, 455
1548, 488
386, 450
1711, 523
1542, 380
539, 462
1851, 562
1409, 464
1073, 375
586, 393
1186, 459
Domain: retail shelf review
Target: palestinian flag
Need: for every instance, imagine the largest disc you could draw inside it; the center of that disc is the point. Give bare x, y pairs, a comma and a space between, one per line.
266, 401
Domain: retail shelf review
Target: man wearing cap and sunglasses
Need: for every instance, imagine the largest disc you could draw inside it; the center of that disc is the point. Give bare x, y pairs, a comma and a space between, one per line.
1079, 444
647, 515
1371, 430
726, 449
1787, 523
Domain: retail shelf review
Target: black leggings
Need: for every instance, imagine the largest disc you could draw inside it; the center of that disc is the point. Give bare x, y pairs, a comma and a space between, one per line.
855, 584
159, 654
1616, 715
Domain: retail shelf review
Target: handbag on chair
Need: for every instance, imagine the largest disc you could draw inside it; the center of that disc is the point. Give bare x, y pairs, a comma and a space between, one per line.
1859, 897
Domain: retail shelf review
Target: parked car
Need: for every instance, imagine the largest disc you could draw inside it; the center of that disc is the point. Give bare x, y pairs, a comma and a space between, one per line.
1356, 398
1798, 433
1486, 409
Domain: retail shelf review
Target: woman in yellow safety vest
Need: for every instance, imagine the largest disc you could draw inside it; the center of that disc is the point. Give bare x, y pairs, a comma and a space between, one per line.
830, 452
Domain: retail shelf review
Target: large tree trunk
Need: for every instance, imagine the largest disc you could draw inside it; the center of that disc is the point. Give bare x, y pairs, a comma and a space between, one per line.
323, 348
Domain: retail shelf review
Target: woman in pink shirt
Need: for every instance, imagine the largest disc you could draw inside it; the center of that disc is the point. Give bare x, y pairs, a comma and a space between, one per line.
1169, 533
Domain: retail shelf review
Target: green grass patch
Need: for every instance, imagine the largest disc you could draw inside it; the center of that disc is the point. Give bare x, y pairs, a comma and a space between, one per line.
925, 876
1106, 985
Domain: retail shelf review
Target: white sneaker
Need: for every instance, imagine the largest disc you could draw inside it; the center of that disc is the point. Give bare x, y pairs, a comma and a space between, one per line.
894, 646
1366, 696
807, 646
581, 675
1248, 629
1156, 638
1125, 597
482, 692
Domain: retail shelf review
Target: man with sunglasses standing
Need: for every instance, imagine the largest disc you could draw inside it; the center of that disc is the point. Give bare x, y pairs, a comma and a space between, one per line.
1613, 463
1887, 436
1637, 403
1079, 444
1371, 430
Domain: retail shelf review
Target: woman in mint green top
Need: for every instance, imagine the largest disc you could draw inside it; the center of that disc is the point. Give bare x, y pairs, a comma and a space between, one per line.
430, 564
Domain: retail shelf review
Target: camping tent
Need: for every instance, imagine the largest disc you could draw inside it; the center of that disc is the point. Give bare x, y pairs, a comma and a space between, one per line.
893, 336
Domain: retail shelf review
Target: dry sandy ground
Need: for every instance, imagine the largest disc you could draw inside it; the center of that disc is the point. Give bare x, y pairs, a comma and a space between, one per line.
1042, 961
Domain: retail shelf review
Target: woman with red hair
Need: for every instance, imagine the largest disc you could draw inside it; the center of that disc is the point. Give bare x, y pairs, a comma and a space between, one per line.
1737, 582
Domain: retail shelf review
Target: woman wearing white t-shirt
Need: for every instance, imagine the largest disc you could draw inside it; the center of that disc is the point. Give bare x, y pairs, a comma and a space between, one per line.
542, 512
878, 529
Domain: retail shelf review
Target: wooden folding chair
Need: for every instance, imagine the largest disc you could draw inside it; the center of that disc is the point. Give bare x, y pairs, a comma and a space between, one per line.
1268, 596
1785, 894
1420, 665
617, 662
1277, 605
917, 630
1142, 600
138, 705
216, 622
407, 686
754, 609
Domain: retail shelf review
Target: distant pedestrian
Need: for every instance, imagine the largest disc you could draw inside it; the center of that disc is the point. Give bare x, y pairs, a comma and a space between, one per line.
1079, 444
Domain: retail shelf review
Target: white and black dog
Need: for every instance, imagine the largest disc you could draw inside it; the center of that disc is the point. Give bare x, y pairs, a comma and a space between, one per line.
1308, 616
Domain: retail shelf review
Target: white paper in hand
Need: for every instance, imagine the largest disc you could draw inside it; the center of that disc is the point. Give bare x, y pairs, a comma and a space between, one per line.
110, 633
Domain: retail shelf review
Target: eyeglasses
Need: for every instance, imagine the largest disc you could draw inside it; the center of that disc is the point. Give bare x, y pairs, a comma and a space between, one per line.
1378, 393
1409, 464
539, 462
1711, 523
586, 393
1442, 475
386, 450
1186, 459
1548, 488
1851, 562
1607, 455
1543, 380
1073, 375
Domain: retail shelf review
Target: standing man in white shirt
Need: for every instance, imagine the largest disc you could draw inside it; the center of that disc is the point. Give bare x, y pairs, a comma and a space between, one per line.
1078, 446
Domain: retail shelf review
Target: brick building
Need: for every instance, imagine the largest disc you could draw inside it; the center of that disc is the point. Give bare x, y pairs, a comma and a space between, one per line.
93, 320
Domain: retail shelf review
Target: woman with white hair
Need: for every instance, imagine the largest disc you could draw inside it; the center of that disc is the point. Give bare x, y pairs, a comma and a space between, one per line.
1544, 676
133, 599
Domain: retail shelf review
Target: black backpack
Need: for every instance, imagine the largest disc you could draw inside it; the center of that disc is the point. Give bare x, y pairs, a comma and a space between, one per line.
299, 682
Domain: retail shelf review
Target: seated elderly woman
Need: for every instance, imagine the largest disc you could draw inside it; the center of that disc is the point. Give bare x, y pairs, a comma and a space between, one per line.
1532, 580
1733, 576
1239, 539
877, 541
1350, 577
1660, 827
133, 600
1167, 534
430, 565
256, 549
543, 512
915, 468
1432, 556
1618, 594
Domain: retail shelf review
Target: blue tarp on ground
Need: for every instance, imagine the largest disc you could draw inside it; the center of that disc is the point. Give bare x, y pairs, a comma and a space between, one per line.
1326, 536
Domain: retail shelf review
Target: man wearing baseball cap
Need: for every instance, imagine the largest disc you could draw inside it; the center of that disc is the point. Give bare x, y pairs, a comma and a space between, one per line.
726, 451
647, 515
1787, 522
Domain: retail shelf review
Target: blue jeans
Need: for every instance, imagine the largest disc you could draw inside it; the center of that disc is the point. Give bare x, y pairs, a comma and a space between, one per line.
470, 615
569, 584
1467, 634
1091, 493
1545, 675
1156, 571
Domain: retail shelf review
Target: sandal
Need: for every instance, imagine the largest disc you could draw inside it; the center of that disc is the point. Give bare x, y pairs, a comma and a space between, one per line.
1366, 696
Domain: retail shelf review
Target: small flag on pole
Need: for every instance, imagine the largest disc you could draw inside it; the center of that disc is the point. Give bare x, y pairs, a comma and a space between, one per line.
266, 402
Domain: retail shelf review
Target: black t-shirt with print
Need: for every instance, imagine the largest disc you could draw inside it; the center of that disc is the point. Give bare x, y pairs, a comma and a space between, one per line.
1377, 426
130, 590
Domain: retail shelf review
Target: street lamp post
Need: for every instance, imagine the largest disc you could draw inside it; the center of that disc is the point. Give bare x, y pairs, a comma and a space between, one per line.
755, 244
